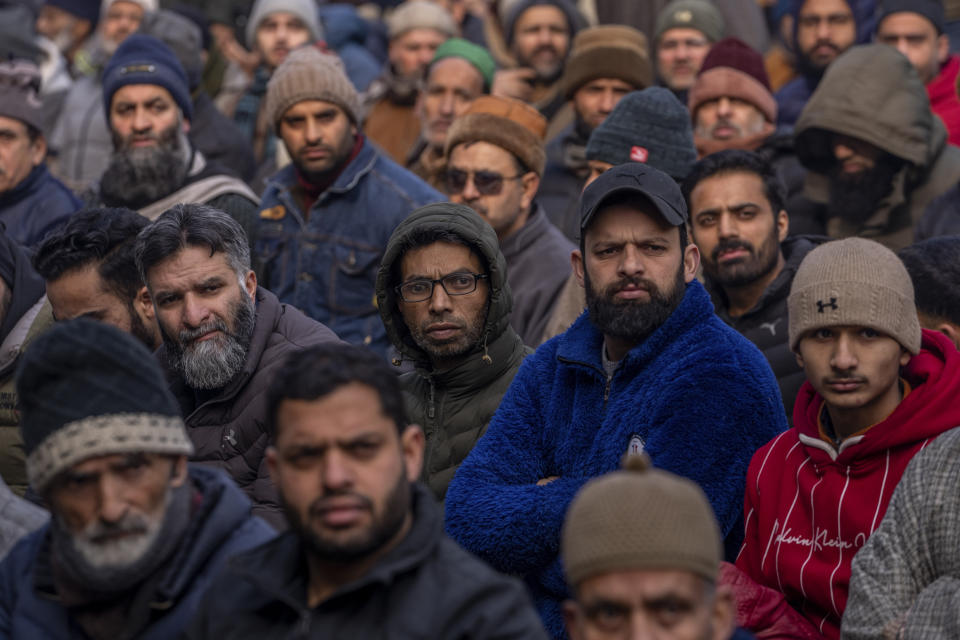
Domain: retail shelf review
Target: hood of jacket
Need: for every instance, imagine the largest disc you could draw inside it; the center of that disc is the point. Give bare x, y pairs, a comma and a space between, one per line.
864, 16
871, 93
927, 411
467, 224
342, 24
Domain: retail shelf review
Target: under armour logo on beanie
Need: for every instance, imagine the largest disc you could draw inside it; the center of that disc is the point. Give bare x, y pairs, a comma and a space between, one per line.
821, 305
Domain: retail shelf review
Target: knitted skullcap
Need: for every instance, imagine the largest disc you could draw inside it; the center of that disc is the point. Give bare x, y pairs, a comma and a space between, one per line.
735, 70
514, 10
853, 282
649, 126
20, 93
87, 389
701, 15
640, 518
607, 51
146, 5
143, 59
932, 10
507, 123
305, 10
309, 74
420, 14
476, 55
84, 9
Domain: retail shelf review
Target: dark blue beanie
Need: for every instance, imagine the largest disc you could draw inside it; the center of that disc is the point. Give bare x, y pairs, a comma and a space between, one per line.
143, 59
83, 9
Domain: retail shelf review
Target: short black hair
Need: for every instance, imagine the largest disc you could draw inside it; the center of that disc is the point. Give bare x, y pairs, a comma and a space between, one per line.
193, 225
934, 267
318, 371
105, 236
424, 237
734, 161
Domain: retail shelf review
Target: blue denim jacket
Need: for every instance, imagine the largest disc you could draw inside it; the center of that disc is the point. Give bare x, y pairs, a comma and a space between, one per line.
327, 264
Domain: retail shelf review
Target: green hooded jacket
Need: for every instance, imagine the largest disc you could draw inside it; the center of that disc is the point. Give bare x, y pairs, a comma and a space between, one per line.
872, 93
453, 406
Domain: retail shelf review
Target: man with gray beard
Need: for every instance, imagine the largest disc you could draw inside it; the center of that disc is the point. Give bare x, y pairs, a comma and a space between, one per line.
154, 166
135, 534
223, 338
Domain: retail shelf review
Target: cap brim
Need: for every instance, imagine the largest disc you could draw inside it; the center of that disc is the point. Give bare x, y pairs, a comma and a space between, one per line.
671, 215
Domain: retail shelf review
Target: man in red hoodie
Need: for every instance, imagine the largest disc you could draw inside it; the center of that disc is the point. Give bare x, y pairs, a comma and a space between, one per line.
878, 390
915, 28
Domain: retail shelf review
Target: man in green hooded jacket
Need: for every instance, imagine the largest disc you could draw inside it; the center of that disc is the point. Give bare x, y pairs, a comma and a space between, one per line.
443, 296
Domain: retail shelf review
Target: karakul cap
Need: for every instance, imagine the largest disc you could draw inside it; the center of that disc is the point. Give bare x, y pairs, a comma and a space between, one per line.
505, 122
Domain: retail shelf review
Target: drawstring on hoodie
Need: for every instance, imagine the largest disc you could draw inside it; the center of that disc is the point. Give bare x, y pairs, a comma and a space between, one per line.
486, 356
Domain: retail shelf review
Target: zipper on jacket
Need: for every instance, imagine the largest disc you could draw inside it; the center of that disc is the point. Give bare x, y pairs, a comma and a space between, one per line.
431, 408
303, 625
606, 391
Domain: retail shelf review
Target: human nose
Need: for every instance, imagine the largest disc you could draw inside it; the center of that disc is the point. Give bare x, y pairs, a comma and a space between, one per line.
631, 262
195, 312
440, 299
724, 107
823, 30
608, 102
141, 123
336, 471
844, 356
543, 36
727, 226
470, 189
842, 151
312, 132
447, 104
113, 505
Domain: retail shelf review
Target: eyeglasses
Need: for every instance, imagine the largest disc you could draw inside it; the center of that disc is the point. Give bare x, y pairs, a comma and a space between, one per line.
487, 183
455, 284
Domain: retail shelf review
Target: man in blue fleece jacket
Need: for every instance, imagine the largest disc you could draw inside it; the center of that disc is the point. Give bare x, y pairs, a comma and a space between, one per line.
649, 367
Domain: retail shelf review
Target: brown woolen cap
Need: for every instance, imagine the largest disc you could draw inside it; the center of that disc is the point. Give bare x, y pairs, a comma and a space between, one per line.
640, 518
607, 51
507, 123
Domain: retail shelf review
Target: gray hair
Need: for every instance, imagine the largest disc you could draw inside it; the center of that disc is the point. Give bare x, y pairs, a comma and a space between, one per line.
193, 225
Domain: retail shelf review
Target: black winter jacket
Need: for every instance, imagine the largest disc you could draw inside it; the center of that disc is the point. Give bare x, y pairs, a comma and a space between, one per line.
425, 587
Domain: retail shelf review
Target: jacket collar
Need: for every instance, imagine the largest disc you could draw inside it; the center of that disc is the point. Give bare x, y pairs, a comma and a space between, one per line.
527, 235
582, 342
278, 569
349, 178
27, 186
476, 372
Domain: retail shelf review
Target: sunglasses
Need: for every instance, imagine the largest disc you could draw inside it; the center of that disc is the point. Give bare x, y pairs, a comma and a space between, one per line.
487, 183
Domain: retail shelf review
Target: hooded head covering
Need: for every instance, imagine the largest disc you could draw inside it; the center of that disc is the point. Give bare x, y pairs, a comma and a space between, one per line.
25, 286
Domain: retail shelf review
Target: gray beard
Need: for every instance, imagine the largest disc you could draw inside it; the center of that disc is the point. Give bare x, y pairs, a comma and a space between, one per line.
136, 178
112, 567
213, 363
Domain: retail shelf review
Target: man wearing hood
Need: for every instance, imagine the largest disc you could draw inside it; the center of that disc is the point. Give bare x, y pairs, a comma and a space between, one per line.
876, 155
822, 30
878, 390
444, 299
23, 316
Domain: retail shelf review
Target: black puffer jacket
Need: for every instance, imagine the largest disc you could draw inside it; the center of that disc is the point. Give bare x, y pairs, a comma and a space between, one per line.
425, 587
766, 324
453, 406
229, 430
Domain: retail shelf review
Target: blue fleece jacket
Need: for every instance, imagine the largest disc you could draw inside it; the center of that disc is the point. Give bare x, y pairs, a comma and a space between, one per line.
697, 396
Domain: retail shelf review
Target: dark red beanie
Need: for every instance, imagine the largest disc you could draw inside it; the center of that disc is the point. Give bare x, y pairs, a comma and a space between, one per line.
734, 53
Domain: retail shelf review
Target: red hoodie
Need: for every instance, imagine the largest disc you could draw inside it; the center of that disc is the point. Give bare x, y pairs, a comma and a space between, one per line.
809, 508
944, 102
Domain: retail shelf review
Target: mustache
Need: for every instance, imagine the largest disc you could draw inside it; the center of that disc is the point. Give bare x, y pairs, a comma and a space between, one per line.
634, 281
723, 122
322, 504
727, 245
189, 335
546, 47
99, 531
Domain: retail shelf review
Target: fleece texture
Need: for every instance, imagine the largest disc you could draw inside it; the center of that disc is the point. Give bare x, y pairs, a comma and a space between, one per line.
697, 396
809, 508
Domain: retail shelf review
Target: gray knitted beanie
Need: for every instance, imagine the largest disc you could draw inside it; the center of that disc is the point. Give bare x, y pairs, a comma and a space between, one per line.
854, 282
309, 74
649, 126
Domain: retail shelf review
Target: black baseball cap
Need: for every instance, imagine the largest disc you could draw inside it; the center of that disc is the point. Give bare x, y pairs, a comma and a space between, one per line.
635, 177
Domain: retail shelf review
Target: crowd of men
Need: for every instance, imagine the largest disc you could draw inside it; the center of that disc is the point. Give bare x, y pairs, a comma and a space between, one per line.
479, 319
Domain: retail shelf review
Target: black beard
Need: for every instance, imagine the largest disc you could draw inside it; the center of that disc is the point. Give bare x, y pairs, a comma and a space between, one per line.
631, 320
757, 265
382, 530
855, 197
138, 177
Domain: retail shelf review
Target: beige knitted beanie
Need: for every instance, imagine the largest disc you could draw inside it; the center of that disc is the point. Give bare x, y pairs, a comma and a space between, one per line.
854, 282
420, 14
640, 518
309, 74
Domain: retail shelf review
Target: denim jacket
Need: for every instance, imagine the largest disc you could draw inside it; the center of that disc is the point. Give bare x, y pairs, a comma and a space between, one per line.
326, 264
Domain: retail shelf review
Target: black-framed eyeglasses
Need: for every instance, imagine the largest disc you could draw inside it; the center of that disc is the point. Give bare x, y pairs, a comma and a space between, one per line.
487, 183
455, 284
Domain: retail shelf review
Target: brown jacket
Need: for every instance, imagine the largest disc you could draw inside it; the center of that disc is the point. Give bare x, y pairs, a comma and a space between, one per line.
873, 94
230, 429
